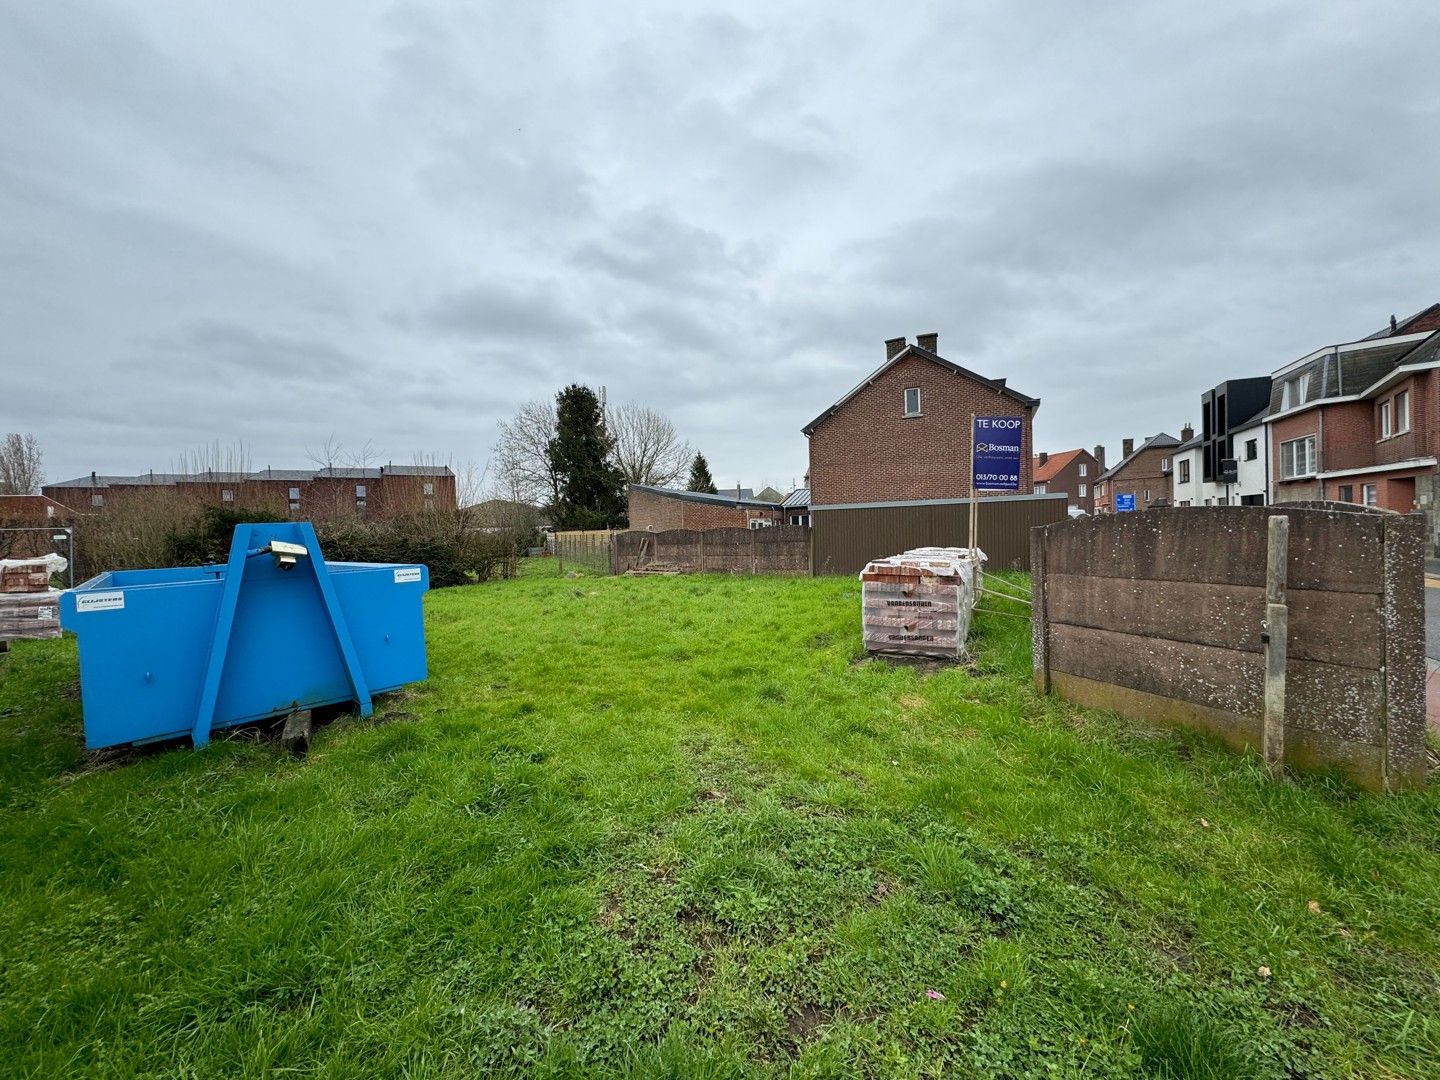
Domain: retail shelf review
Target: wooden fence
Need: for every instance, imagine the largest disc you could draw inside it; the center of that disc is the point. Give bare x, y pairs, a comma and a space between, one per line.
588, 548
780, 549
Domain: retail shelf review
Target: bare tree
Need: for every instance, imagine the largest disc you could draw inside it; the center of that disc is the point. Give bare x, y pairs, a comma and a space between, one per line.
521, 458
217, 457
330, 454
647, 447
20, 460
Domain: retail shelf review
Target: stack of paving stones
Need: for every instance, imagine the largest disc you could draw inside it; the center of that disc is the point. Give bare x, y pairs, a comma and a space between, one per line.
29, 608
918, 603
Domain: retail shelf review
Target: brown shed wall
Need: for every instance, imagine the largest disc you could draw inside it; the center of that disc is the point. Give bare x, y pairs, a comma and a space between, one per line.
844, 539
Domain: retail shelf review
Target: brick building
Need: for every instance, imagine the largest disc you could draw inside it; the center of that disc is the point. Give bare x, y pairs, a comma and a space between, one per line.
1070, 472
1360, 421
904, 432
22, 519
657, 509
315, 494
1144, 474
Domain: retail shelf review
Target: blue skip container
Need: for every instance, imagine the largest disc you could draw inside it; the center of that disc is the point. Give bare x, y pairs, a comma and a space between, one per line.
275, 629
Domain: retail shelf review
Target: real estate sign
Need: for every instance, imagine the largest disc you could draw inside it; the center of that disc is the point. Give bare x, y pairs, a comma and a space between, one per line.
997, 453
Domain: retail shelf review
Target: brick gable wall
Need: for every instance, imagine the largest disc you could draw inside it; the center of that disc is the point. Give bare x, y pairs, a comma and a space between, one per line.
869, 451
658, 513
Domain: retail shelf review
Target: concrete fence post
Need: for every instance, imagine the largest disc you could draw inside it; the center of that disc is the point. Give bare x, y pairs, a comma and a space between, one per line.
1039, 616
1277, 642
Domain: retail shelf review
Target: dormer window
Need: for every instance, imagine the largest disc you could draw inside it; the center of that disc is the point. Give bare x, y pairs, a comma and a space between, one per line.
912, 401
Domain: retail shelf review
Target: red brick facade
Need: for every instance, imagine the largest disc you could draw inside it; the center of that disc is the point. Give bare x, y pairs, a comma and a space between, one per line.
1070, 472
656, 512
1146, 476
867, 450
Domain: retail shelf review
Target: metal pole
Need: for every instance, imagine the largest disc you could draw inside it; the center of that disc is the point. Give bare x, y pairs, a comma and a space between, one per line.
1276, 638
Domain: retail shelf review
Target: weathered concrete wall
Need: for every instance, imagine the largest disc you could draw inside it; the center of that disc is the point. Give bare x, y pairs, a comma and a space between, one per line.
1159, 616
780, 549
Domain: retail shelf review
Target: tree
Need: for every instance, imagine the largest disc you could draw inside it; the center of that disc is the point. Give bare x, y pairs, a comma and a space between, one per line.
20, 471
521, 459
647, 448
700, 478
591, 486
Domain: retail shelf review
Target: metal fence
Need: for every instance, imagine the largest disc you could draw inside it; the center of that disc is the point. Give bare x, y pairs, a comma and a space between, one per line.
589, 548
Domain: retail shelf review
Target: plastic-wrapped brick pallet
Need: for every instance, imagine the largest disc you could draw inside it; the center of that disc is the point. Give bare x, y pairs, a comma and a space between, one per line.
29, 608
919, 603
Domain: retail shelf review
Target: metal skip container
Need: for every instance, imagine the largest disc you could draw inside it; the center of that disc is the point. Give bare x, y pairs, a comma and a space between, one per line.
273, 630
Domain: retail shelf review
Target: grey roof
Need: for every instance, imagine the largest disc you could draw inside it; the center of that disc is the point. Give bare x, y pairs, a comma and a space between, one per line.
1191, 444
155, 479
798, 497
1335, 373
704, 497
915, 350
733, 493
417, 470
1400, 325
1161, 441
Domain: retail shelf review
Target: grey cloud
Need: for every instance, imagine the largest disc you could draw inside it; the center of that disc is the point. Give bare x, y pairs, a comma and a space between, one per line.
504, 312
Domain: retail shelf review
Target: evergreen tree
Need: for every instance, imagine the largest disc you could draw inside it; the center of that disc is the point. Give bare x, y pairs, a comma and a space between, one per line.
700, 478
592, 488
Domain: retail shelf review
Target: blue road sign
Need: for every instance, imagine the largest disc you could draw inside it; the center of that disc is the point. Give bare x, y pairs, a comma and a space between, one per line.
997, 453
1124, 502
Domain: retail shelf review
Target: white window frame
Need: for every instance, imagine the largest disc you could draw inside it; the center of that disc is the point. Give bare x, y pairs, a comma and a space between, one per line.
1291, 458
1084, 489
1084, 469
1402, 412
1184, 475
1147, 495
917, 410
227, 495
1369, 494
295, 494
359, 492
1042, 489
429, 489
1385, 426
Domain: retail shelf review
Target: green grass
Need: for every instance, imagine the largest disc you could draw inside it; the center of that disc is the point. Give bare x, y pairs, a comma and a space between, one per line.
680, 827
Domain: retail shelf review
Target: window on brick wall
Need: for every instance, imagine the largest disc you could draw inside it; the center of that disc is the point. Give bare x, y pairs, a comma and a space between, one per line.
912, 401
1346, 493
429, 489
1041, 489
97, 500
1402, 411
295, 494
1385, 431
1369, 494
1084, 469
1297, 457
1084, 489
227, 495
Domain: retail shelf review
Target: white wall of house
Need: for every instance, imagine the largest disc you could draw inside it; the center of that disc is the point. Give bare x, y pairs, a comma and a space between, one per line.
1185, 483
1253, 473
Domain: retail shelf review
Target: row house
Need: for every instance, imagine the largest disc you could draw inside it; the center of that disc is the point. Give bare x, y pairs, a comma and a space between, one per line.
1232, 433
1360, 421
1071, 473
1141, 479
312, 493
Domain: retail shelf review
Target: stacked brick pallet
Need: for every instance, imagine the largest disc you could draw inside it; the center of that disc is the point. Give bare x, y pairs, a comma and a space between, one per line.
919, 603
29, 608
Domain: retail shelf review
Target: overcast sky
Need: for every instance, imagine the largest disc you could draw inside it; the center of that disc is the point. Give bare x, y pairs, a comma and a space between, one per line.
268, 222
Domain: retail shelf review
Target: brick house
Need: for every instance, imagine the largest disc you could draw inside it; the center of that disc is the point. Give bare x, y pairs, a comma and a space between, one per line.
1144, 473
29, 513
656, 509
1070, 472
1360, 421
904, 432
315, 494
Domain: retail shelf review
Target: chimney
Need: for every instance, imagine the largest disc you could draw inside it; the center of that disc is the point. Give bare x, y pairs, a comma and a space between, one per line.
1099, 456
893, 346
1187, 433
1393, 325
928, 342
94, 480
1127, 447
1044, 457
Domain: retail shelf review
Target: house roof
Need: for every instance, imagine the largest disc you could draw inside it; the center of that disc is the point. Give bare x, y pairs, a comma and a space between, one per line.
1423, 320
997, 385
1054, 465
1344, 371
704, 497
1161, 441
155, 479
798, 497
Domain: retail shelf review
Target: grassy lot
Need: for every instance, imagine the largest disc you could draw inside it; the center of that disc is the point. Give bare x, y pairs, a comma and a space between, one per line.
679, 827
